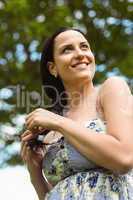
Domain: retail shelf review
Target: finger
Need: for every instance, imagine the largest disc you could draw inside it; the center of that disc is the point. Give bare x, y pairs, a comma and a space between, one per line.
35, 132
31, 124
28, 121
28, 125
40, 128
32, 113
23, 151
29, 137
33, 127
22, 145
26, 153
25, 133
31, 134
29, 115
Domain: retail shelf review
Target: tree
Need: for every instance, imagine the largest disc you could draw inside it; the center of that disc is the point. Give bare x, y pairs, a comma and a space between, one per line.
24, 26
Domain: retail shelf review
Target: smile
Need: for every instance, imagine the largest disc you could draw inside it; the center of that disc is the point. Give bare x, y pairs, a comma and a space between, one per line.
80, 64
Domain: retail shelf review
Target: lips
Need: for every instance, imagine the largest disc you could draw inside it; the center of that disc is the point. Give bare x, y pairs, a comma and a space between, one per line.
80, 63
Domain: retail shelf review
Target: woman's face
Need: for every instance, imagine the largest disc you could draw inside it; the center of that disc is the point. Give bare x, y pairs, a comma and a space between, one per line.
73, 59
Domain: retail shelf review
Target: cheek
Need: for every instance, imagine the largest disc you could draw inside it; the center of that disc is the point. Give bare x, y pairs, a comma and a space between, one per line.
61, 66
93, 70
62, 62
91, 55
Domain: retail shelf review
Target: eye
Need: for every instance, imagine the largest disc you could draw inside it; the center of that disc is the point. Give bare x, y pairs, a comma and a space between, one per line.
85, 46
67, 49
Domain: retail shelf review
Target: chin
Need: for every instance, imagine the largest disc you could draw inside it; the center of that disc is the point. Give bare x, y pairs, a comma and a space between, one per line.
83, 78
86, 75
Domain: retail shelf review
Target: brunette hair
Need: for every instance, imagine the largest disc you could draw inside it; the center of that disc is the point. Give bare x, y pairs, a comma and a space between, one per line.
48, 80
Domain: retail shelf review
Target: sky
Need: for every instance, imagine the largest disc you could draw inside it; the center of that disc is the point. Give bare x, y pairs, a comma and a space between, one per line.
15, 184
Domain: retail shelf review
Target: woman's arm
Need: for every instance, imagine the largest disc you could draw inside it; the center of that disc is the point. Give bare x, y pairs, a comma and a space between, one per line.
33, 159
113, 150
41, 185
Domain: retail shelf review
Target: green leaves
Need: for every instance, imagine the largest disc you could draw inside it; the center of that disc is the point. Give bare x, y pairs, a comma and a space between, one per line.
25, 23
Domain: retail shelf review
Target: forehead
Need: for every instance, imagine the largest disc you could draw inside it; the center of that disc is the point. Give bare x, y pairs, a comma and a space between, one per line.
69, 37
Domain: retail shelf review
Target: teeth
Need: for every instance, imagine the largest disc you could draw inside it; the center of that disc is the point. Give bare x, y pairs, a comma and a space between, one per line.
80, 64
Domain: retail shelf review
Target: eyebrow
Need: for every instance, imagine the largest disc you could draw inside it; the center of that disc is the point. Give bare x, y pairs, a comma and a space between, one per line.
70, 44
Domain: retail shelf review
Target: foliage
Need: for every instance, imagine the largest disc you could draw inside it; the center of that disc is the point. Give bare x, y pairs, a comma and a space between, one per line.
24, 26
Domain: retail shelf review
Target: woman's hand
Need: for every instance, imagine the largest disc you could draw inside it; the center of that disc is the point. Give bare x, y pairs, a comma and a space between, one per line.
32, 157
40, 120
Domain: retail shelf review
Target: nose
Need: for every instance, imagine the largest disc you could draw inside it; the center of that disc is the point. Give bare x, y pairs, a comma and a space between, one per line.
79, 53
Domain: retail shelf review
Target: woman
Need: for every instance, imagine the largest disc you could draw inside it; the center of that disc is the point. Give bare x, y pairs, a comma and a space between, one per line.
90, 151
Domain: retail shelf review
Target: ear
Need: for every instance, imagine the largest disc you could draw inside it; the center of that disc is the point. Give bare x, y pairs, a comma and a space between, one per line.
52, 69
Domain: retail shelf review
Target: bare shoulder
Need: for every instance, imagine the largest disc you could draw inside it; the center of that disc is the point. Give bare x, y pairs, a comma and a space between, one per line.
114, 86
117, 104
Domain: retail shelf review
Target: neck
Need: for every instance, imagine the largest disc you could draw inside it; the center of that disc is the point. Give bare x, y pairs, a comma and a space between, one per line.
79, 96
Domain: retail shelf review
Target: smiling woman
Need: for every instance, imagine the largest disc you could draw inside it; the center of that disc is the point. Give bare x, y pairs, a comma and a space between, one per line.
89, 148
69, 46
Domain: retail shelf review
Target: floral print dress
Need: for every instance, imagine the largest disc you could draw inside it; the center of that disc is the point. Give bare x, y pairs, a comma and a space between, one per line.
76, 178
